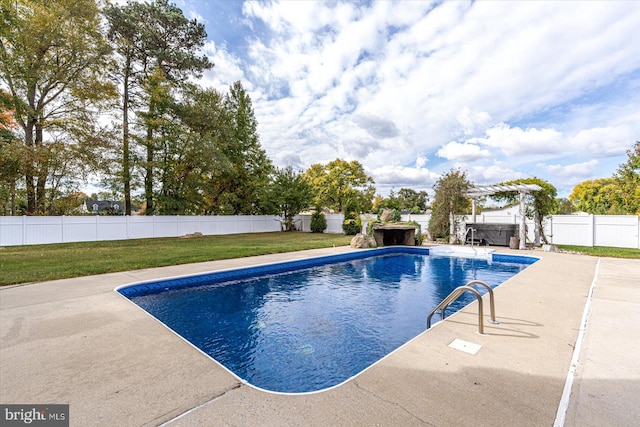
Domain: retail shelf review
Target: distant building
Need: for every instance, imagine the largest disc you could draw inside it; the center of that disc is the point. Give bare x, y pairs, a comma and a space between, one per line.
512, 210
104, 207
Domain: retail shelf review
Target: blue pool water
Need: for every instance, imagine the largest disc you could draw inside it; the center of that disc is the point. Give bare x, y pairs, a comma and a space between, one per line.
313, 324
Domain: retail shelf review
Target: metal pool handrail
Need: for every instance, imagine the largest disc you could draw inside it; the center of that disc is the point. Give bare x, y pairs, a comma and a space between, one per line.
492, 306
456, 293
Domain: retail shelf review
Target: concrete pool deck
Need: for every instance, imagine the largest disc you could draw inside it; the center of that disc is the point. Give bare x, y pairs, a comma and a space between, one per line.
77, 341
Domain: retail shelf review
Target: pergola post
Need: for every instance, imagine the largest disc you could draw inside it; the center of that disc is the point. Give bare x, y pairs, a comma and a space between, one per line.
473, 210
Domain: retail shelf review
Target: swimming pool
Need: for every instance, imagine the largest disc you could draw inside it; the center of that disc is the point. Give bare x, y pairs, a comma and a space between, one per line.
308, 325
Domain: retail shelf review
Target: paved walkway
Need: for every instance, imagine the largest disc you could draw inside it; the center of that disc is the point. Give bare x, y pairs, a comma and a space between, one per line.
606, 389
78, 342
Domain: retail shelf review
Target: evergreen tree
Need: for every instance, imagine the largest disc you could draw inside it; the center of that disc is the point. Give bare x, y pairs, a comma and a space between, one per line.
242, 188
155, 40
448, 202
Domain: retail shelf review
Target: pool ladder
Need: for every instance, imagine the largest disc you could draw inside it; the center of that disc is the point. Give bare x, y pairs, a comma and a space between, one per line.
456, 293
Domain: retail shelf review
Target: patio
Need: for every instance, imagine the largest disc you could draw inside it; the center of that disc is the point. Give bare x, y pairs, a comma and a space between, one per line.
78, 342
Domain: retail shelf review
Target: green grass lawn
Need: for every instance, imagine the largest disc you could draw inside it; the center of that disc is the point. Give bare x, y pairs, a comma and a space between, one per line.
603, 251
36, 263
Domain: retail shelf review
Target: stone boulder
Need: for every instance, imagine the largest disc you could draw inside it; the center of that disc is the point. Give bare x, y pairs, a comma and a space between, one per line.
386, 215
360, 241
192, 235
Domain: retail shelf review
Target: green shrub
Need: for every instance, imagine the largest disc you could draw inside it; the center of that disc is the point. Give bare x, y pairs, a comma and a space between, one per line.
318, 221
370, 226
352, 224
419, 237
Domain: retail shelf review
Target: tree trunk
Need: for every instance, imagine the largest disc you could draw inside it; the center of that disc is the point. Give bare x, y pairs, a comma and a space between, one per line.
126, 167
148, 177
452, 229
41, 196
29, 174
537, 228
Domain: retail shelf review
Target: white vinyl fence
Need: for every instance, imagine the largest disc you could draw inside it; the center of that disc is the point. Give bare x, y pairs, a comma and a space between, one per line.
621, 231
31, 230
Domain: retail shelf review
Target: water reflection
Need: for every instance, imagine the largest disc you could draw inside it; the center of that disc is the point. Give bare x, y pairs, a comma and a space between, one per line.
313, 328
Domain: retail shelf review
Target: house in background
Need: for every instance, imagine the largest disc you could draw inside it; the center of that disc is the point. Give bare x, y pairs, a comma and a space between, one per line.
104, 207
512, 210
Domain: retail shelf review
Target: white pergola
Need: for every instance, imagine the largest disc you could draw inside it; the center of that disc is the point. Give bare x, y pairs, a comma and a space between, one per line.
476, 193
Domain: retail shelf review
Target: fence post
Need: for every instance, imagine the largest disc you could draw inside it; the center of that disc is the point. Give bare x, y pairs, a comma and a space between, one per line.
592, 230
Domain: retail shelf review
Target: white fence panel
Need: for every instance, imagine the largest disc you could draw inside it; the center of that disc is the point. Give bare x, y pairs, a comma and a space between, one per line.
139, 227
422, 219
43, 229
59, 229
334, 223
80, 228
572, 230
12, 230
616, 230
494, 219
581, 230
110, 228
188, 225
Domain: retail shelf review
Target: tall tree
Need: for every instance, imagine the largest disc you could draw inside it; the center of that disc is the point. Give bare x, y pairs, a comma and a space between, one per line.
449, 201
289, 193
539, 203
153, 38
339, 182
628, 178
411, 200
124, 34
564, 206
11, 164
52, 59
192, 152
597, 196
241, 190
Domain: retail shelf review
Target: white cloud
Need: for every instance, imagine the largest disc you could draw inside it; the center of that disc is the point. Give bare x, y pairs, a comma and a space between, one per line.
227, 69
402, 176
388, 83
462, 152
518, 142
421, 161
473, 122
603, 141
579, 171
492, 174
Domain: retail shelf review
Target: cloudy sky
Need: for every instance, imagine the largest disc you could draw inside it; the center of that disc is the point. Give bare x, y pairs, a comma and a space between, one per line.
412, 89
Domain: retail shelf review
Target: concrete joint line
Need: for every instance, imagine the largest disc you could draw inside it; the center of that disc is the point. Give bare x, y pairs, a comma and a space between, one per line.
392, 403
568, 385
195, 408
